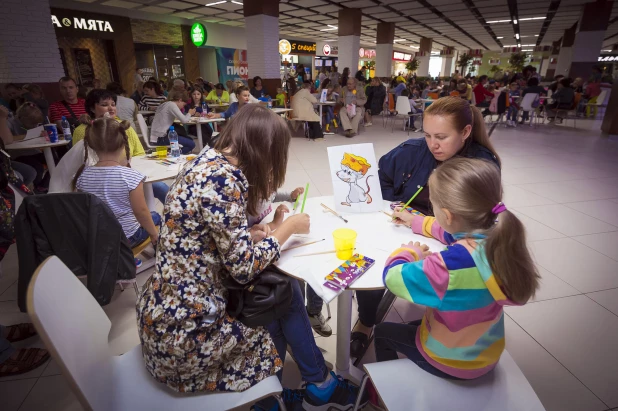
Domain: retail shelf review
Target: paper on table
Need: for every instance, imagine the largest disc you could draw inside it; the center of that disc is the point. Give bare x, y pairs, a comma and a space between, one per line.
34, 132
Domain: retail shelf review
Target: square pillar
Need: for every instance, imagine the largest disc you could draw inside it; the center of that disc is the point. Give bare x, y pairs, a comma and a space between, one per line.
566, 51
589, 38
384, 49
423, 56
349, 39
262, 28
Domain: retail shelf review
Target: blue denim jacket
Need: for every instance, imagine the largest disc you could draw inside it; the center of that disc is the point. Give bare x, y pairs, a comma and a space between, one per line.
410, 164
231, 110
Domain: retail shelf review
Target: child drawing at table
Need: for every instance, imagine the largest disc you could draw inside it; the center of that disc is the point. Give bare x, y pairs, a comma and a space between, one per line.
113, 181
465, 287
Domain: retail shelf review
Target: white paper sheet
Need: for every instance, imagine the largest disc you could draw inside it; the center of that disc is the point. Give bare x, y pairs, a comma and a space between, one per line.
34, 132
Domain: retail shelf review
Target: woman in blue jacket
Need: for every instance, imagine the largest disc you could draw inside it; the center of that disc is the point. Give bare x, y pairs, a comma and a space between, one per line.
453, 128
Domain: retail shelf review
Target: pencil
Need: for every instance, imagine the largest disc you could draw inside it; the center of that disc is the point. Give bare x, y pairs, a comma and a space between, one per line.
412, 199
296, 203
302, 208
321, 253
390, 215
334, 212
302, 245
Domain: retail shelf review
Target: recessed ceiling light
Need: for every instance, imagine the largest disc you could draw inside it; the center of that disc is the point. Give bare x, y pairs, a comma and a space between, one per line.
413, 47
536, 35
532, 18
178, 51
526, 50
498, 21
215, 3
514, 21
237, 2
517, 36
396, 40
499, 37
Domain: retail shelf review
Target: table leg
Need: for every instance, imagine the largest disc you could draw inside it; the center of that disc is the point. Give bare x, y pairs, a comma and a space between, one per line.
149, 194
200, 144
49, 158
320, 115
343, 365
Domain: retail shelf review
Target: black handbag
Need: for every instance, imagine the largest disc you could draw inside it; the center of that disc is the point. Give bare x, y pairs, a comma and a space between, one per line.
261, 301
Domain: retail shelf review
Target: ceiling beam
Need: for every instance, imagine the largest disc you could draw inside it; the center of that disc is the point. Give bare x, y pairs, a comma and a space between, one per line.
479, 17
515, 21
551, 12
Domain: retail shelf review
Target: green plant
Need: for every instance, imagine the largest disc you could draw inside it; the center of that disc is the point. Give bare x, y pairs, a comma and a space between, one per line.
517, 61
371, 65
494, 69
413, 65
463, 62
472, 69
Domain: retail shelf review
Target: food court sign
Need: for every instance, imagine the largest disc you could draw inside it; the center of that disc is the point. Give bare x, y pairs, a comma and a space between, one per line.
366, 53
296, 47
198, 34
608, 57
82, 23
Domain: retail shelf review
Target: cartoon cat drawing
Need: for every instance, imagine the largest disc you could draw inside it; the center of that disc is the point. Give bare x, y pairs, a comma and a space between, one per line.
353, 169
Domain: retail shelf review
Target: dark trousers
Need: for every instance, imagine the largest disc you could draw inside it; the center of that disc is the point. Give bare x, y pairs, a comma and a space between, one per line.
36, 161
368, 302
391, 338
184, 140
206, 133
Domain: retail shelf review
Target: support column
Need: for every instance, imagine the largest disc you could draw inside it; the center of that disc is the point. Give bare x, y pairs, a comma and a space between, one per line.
589, 38
28, 46
553, 61
384, 49
447, 55
423, 56
349, 39
566, 51
262, 28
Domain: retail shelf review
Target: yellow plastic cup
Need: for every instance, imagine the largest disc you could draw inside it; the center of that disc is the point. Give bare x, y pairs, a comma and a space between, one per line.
345, 240
162, 152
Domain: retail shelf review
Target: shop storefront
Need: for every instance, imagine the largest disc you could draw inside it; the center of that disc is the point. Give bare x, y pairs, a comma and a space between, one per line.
94, 46
367, 58
326, 56
294, 53
399, 63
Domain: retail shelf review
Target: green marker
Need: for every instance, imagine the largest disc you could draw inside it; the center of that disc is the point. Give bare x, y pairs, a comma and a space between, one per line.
302, 208
412, 199
296, 202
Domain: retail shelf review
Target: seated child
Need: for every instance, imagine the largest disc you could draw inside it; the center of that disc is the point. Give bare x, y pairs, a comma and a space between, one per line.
465, 287
114, 182
511, 115
280, 98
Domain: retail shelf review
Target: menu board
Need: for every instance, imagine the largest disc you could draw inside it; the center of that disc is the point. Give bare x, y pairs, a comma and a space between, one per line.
85, 70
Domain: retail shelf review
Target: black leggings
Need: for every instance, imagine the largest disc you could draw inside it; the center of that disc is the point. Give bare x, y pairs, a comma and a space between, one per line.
206, 133
368, 302
36, 161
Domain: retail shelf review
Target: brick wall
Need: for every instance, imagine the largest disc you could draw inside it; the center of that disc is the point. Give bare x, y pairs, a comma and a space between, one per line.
154, 32
28, 46
97, 53
263, 46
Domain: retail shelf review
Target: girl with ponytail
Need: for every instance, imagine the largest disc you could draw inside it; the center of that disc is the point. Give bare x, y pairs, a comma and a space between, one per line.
485, 267
113, 181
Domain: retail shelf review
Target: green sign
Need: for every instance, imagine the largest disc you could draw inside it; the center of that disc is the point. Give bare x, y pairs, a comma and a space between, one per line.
198, 34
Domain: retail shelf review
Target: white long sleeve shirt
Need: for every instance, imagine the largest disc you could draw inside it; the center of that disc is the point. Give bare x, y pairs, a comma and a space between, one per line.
164, 117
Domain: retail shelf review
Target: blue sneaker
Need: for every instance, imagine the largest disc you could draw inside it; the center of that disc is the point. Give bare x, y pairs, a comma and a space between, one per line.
293, 400
138, 263
336, 394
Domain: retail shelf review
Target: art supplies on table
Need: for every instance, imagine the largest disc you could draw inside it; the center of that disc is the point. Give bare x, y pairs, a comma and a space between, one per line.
330, 210
348, 272
302, 208
407, 208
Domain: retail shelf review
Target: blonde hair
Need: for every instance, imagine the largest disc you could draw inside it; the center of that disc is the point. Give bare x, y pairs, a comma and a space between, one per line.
462, 113
470, 189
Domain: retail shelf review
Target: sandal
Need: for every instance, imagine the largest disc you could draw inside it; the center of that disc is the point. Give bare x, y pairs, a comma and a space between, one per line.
23, 360
20, 332
359, 342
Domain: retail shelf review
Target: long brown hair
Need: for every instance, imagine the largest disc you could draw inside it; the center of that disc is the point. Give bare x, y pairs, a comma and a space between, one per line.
104, 135
470, 189
259, 140
462, 113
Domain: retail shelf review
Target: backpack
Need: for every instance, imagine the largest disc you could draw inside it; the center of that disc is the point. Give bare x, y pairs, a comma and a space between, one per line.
313, 130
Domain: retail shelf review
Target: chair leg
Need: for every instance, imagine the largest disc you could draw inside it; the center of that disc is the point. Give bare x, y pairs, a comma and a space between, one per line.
328, 311
361, 390
280, 401
121, 287
136, 288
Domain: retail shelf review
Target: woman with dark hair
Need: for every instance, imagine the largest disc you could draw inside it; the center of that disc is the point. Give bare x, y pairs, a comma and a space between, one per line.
198, 102
153, 96
257, 90
344, 76
126, 109
189, 341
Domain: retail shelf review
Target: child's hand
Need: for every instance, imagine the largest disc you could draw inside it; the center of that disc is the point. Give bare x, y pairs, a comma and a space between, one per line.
424, 248
402, 217
279, 213
297, 192
259, 232
154, 239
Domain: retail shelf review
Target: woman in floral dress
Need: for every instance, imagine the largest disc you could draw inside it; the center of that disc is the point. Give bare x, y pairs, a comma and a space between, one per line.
188, 340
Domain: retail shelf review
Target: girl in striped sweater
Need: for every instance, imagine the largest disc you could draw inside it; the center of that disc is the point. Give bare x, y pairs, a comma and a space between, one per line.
485, 266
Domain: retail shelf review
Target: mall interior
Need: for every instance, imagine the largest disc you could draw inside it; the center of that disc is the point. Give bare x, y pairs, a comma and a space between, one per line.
412, 162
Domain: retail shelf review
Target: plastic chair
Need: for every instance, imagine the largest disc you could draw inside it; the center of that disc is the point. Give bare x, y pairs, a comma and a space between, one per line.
571, 112
403, 111
433, 96
390, 109
598, 102
75, 330
505, 388
526, 105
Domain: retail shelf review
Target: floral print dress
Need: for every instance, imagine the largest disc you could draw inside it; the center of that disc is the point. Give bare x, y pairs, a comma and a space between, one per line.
188, 340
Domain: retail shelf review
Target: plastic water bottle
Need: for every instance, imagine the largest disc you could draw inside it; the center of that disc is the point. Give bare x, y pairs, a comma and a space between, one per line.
173, 138
270, 102
66, 129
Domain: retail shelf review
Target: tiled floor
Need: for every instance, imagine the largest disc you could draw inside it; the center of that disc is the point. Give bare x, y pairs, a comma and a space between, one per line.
561, 182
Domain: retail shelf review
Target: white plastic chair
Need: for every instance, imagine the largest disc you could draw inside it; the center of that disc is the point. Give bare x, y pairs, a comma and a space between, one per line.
144, 130
75, 330
505, 388
403, 108
526, 105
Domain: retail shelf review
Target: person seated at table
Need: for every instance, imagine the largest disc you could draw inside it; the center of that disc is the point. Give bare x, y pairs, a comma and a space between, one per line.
230, 86
532, 88
302, 109
513, 95
218, 95
482, 96
376, 93
257, 90
126, 109
14, 96
153, 96
205, 230
27, 174
71, 107
112, 179
244, 96
562, 99
453, 128
34, 94
280, 98
234, 94
464, 89
399, 87
353, 99
164, 118
139, 92
464, 288
198, 102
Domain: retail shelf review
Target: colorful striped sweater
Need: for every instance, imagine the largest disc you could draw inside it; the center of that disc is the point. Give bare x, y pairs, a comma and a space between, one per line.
462, 331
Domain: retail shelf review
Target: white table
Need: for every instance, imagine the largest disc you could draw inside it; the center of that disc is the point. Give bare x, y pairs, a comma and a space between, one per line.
197, 121
155, 172
41, 143
377, 238
280, 110
326, 103
146, 113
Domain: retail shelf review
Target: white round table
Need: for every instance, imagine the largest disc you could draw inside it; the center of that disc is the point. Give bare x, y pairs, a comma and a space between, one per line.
321, 104
154, 171
203, 120
42, 143
377, 238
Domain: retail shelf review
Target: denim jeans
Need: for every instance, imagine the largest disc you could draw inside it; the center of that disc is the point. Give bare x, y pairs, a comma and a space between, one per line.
314, 301
141, 234
160, 190
391, 338
330, 114
187, 143
368, 302
512, 114
27, 173
294, 329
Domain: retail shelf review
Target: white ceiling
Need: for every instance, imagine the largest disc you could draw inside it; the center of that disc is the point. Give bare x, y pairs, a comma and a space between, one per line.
456, 23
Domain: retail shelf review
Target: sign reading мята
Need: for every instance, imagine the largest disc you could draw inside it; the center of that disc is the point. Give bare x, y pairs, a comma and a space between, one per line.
83, 24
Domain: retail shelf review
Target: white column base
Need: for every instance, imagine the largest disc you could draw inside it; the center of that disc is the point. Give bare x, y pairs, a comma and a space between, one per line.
348, 53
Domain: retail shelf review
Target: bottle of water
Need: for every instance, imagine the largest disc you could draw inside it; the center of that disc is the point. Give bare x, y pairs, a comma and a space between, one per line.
173, 138
270, 102
66, 129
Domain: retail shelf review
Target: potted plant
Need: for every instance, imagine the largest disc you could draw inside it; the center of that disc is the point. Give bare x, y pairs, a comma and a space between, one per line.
463, 62
517, 61
412, 65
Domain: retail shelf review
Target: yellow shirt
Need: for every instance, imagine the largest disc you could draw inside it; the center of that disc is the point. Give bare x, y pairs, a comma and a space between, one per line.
134, 144
212, 96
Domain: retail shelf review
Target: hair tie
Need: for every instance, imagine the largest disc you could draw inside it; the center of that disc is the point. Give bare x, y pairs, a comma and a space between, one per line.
498, 208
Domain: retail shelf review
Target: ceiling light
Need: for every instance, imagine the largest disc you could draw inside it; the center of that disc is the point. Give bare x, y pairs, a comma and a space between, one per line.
215, 3
413, 47
237, 2
532, 18
517, 36
606, 51
395, 41
536, 35
499, 37
498, 21
514, 21
518, 45
526, 49
178, 51
331, 28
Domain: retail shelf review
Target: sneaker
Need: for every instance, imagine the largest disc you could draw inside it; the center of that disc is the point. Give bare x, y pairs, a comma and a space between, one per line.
319, 325
368, 124
138, 263
336, 394
292, 399
335, 123
327, 130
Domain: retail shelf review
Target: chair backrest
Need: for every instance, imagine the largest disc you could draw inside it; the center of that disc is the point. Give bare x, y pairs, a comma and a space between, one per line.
144, 129
74, 329
526, 103
602, 97
403, 105
391, 102
454, 94
434, 96
578, 97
